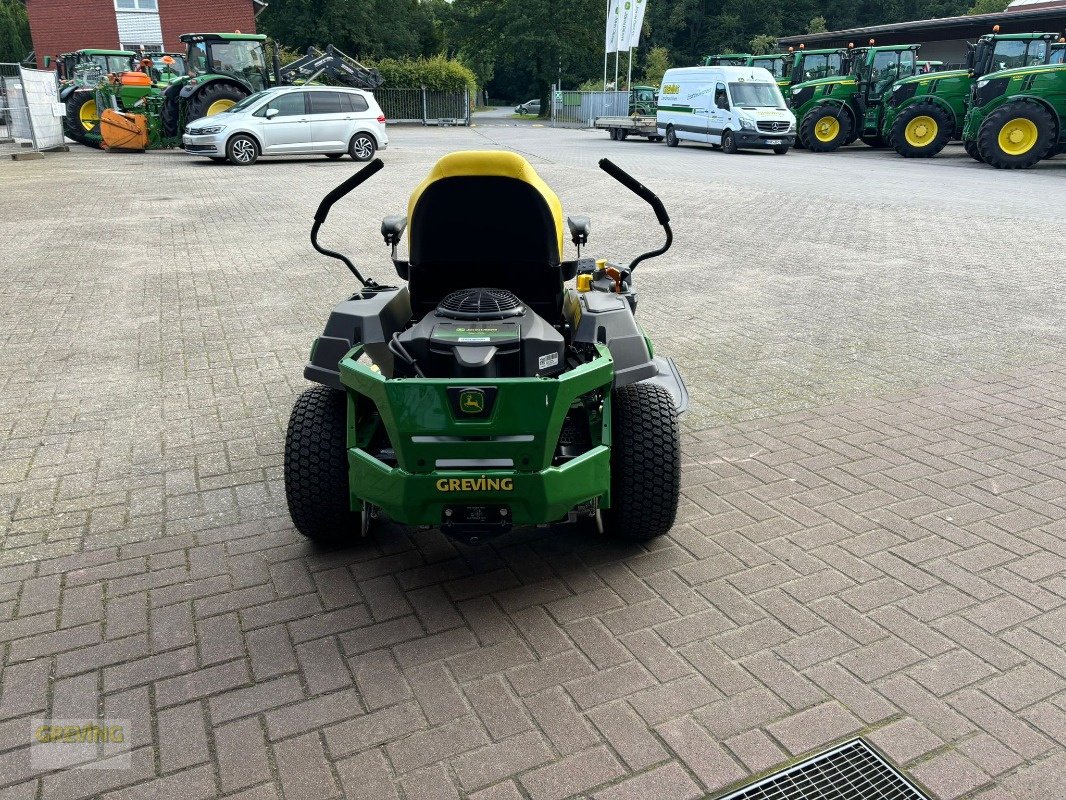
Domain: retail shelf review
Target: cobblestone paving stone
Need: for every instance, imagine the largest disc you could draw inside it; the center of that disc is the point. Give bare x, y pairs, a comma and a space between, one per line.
870, 542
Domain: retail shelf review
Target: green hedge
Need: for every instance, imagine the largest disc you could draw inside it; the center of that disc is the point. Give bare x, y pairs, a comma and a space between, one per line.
434, 73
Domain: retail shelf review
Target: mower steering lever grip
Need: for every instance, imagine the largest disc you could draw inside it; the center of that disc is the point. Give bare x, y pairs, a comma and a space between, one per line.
358, 178
637, 188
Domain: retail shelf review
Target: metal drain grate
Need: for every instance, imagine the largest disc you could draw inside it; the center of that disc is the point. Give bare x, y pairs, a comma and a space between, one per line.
852, 771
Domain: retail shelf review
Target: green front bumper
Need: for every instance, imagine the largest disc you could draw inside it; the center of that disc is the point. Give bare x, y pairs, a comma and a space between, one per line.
438, 448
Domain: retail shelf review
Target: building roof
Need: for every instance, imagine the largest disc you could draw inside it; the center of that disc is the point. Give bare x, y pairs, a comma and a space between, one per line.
1017, 20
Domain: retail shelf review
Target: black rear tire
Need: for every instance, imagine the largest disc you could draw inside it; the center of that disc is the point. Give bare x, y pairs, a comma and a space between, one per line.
645, 463
875, 142
333, 156
988, 140
972, 151
816, 122
780, 151
72, 124
170, 116
729, 143
924, 142
671, 137
316, 467
200, 102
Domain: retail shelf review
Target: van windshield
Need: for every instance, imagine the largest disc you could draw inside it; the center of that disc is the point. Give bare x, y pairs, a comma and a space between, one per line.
756, 95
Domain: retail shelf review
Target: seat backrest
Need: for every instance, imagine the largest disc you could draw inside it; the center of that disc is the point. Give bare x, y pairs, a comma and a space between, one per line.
485, 218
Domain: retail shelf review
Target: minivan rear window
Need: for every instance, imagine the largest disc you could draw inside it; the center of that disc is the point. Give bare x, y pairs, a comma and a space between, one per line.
327, 102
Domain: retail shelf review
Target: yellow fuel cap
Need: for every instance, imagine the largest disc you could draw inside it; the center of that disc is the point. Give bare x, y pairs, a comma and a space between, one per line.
584, 282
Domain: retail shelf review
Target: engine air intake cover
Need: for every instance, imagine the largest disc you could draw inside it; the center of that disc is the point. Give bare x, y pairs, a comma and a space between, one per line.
481, 304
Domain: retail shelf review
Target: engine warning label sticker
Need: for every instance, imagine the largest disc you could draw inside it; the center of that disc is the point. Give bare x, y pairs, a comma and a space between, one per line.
550, 360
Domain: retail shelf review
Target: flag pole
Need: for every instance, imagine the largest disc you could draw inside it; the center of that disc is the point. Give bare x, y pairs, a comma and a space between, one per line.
629, 80
605, 48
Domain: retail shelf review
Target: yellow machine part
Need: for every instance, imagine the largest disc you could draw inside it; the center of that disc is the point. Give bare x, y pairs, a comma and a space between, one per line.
123, 131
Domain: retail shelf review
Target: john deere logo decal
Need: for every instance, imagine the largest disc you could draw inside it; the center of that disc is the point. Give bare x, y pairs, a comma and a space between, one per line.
471, 401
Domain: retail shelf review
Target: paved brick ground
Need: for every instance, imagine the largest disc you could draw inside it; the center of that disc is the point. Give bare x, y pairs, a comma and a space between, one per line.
871, 540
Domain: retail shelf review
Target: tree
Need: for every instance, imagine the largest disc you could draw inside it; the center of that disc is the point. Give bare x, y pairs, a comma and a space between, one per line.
817, 25
762, 44
987, 7
15, 42
656, 64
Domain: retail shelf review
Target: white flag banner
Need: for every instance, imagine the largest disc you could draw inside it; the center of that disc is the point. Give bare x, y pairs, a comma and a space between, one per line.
612, 26
625, 23
638, 22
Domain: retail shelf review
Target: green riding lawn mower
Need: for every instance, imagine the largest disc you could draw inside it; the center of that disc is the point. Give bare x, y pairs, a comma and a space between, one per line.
484, 392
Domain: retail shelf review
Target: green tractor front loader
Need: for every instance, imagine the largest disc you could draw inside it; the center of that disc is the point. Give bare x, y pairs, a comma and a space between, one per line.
484, 392
926, 111
831, 112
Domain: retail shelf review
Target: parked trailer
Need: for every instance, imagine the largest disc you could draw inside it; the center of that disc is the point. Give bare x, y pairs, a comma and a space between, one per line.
621, 127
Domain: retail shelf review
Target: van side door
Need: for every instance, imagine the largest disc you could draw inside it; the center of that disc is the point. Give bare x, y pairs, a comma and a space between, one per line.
720, 114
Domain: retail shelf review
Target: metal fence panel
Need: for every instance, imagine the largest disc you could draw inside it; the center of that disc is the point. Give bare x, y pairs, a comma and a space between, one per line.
42, 102
15, 130
580, 109
30, 115
424, 106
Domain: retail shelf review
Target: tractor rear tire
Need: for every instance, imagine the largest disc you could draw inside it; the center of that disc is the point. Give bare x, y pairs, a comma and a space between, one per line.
876, 142
671, 137
825, 130
1016, 136
645, 463
316, 467
170, 116
972, 151
200, 103
922, 130
75, 125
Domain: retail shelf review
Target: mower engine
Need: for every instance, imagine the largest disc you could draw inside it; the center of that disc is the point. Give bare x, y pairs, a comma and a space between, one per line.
480, 333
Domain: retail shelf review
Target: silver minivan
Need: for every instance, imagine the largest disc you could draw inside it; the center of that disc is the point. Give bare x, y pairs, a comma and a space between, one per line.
291, 120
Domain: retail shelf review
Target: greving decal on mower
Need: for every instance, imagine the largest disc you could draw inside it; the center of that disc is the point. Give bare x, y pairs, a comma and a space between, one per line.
481, 484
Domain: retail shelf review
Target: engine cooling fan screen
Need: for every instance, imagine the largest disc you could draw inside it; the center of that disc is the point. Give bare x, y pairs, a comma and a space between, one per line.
481, 304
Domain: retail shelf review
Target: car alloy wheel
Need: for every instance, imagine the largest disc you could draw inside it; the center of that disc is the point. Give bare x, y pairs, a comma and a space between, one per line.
362, 148
243, 151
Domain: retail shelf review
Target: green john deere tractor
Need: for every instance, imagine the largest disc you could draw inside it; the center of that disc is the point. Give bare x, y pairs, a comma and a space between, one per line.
727, 60
79, 72
476, 396
93, 71
799, 66
642, 100
924, 112
1017, 116
223, 69
831, 112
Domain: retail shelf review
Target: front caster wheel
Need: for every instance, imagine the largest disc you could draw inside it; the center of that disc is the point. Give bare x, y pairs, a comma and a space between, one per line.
316, 467
645, 463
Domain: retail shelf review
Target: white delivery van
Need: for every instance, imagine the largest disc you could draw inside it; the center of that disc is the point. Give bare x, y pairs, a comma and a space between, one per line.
731, 107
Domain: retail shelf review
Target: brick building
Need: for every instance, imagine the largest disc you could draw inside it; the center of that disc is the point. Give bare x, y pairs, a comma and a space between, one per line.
59, 26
